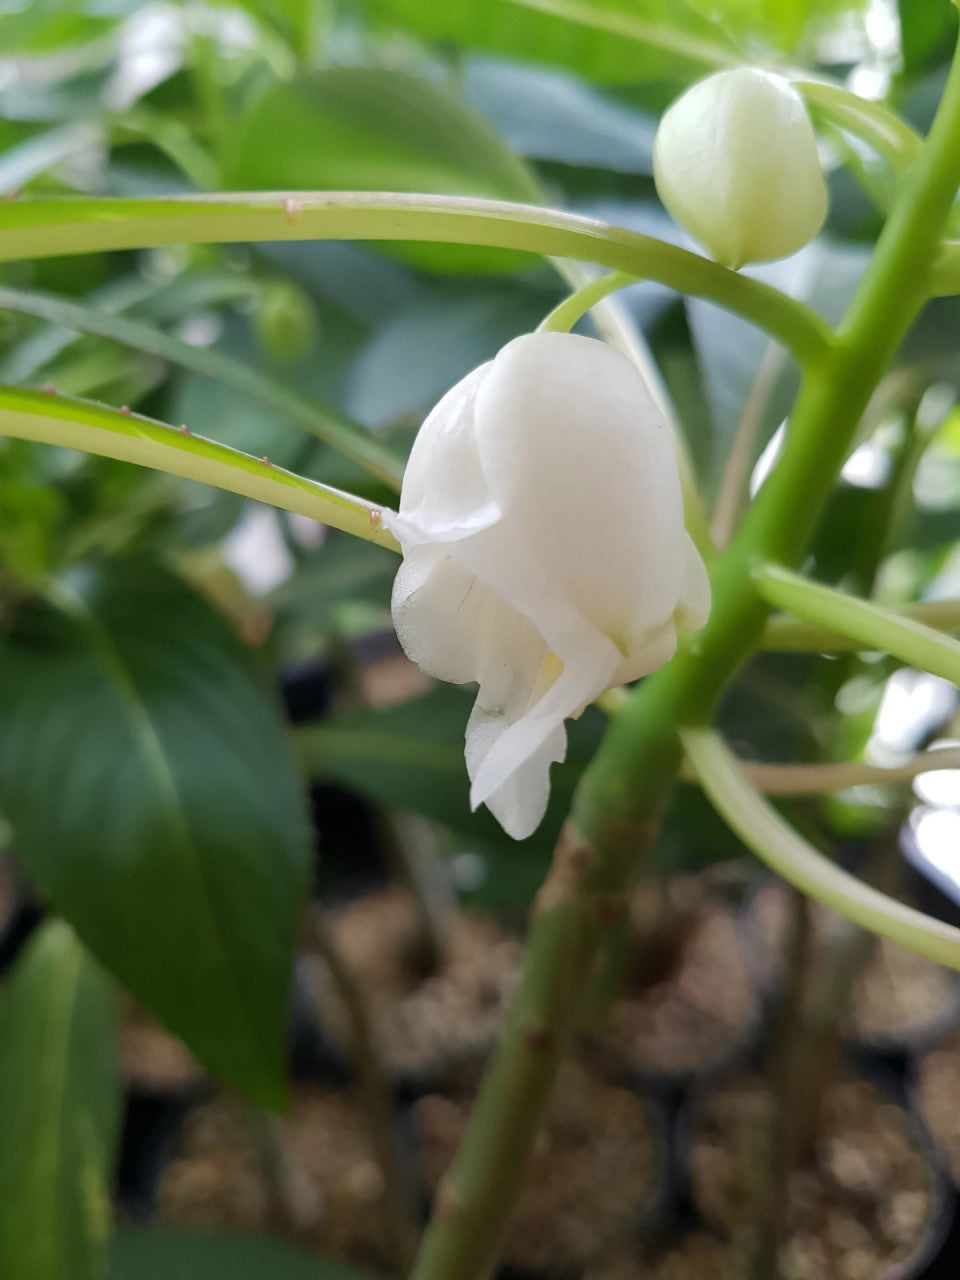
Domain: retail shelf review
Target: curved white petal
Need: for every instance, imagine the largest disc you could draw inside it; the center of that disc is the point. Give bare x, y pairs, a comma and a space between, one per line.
544, 553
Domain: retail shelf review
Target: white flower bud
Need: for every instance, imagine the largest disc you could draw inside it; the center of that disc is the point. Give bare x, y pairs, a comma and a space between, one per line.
735, 163
545, 555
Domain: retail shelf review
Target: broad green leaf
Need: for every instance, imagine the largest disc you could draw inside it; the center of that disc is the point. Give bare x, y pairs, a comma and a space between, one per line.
585, 35
159, 1253
926, 27
548, 115
149, 783
59, 1111
378, 129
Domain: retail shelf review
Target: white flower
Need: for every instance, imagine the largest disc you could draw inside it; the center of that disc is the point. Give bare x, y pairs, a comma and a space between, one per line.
735, 162
545, 555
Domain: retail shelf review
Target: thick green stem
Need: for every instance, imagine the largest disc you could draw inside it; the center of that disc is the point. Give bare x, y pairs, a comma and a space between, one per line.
623, 790
41, 228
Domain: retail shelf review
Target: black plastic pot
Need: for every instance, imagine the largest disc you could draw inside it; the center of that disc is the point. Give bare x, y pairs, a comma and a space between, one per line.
933, 1258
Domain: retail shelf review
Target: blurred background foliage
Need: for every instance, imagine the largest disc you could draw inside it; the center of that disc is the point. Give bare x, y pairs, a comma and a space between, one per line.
147, 622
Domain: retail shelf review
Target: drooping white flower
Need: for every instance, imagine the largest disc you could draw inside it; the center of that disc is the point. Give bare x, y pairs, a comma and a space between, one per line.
544, 553
735, 162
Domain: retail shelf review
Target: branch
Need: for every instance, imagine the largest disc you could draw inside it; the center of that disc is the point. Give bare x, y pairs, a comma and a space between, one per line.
869, 625
43, 228
776, 844
111, 433
316, 418
820, 779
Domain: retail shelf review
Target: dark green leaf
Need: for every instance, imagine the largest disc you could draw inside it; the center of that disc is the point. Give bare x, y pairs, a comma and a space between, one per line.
377, 129
926, 28
59, 1111
148, 780
160, 1253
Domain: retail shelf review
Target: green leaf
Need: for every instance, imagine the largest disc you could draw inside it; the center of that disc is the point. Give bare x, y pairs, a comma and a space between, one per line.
547, 115
157, 1253
149, 782
594, 37
378, 129
926, 28
59, 1111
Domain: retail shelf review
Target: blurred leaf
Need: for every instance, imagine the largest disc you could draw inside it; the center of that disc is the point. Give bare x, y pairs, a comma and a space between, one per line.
344, 572
45, 26
743, 370
20, 163
148, 779
926, 33
59, 1111
410, 757
547, 115
377, 129
159, 1253
680, 42
416, 357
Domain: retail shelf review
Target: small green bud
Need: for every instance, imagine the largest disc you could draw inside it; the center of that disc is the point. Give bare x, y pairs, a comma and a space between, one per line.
286, 321
735, 162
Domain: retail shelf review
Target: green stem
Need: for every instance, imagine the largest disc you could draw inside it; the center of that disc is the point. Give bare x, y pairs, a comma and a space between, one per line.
776, 843
785, 634
566, 313
42, 228
620, 796
317, 419
871, 626
876, 124
77, 424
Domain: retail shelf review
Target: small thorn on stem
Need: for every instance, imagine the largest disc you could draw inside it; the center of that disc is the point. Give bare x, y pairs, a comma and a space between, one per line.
126, 410
49, 389
266, 461
183, 429
292, 211
376, 518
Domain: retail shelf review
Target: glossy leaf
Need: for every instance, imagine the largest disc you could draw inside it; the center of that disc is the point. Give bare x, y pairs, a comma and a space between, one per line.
148, 780
59, 1111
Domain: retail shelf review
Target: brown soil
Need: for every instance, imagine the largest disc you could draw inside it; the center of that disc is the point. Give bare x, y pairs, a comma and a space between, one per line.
425, 1025
938, 1092
698, 1256
697, 1015
860, 1207
897, 996
325, 1186
594, 1168
152, 1057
